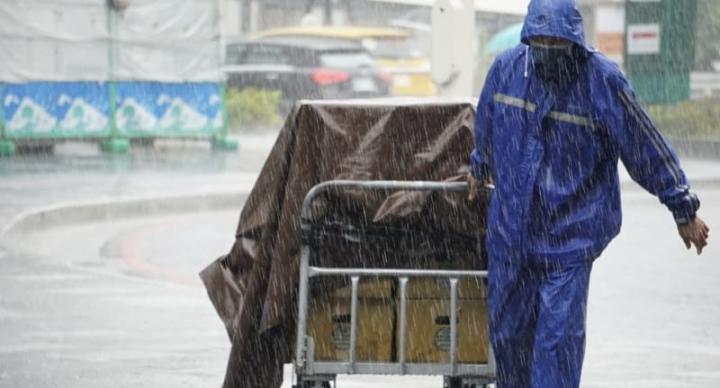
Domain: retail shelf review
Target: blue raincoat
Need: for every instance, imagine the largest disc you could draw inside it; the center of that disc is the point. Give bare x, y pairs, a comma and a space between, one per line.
552, 151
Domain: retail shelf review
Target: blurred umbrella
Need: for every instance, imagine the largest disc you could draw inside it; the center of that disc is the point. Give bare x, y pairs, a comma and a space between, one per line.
507, 38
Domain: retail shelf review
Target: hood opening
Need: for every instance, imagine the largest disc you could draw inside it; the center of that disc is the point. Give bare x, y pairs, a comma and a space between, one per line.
555, 19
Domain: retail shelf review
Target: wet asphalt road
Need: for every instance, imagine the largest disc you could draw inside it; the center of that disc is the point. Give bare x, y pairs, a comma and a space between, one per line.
118, 304
75, 312
79, 172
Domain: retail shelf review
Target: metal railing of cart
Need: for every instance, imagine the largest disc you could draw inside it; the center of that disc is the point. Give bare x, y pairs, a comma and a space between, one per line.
312, 372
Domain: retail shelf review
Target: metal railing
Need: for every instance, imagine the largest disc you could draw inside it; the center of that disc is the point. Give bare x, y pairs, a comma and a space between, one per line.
704, 85
304, 360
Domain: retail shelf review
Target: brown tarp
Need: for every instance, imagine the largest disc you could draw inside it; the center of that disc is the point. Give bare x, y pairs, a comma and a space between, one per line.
254, 287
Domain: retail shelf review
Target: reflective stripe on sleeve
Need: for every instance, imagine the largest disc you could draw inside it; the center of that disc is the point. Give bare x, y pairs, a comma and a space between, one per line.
651, 133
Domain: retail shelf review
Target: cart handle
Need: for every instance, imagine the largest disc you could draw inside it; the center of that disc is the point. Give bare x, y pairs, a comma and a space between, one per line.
380, 186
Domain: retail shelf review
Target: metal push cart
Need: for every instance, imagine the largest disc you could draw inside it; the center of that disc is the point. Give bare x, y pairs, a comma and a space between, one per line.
312, 373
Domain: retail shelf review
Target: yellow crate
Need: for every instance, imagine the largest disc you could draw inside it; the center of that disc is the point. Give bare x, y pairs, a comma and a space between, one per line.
438, 288
329, 323
428, 335
428, 331
369, 288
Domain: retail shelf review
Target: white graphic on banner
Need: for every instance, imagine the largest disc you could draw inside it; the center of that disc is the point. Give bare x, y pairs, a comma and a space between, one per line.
133, 116
180, 115
218, 121
81, 116
11, 99
30, 116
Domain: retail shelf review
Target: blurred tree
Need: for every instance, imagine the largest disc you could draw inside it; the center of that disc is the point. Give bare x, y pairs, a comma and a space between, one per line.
707, 31
252, 108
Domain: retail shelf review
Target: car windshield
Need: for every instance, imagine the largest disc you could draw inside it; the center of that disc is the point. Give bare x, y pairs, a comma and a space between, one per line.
396, 48
346, 59
266, 54
233, 54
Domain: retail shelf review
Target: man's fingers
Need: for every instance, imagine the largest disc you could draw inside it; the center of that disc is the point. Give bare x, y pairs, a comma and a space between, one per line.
687, 242
472, 188
700, 243
695, 234
703, 235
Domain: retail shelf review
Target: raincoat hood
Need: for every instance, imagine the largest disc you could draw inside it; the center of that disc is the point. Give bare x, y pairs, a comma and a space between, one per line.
556, 19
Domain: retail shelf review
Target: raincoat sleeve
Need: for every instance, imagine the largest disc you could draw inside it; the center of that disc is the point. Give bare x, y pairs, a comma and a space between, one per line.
647, 155
481, 154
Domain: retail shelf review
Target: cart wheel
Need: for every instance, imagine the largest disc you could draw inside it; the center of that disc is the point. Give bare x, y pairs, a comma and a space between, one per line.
457, 382
453, 382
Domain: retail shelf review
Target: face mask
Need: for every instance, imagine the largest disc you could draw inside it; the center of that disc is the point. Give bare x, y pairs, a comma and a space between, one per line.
552, 61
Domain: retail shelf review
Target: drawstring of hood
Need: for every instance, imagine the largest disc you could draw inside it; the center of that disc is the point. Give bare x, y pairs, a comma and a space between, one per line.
558, 19
527, 60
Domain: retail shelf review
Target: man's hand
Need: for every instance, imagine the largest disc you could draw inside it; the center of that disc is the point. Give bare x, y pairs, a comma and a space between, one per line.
473, 187
694, 233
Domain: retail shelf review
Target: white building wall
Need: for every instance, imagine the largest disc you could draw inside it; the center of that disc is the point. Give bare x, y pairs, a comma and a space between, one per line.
610, 30
231, 18
83, 40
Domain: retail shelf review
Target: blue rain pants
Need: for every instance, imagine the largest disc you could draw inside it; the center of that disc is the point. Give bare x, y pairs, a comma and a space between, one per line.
537, 314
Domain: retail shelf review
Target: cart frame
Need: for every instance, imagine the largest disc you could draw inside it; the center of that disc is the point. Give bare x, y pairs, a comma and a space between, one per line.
311, 373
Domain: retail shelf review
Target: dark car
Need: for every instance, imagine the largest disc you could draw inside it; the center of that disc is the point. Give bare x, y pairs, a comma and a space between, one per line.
303, 68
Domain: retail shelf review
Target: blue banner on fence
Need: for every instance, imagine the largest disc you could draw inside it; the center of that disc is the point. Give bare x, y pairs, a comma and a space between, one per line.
149, 107
82, 109
55, 108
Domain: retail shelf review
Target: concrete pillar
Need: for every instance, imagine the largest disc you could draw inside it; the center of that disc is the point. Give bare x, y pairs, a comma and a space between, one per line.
254, 23
453, 59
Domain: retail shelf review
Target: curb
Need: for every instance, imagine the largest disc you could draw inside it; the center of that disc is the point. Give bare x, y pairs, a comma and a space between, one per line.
105, 210
702, 149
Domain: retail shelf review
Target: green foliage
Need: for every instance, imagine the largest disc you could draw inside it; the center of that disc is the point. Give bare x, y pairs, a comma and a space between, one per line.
697, 120
707, 32
252, 108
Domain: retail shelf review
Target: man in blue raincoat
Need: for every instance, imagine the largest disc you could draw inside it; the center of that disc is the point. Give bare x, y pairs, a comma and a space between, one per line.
553, 120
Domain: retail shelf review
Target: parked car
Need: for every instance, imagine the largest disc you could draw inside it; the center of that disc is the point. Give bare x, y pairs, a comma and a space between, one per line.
395, 50
305, 69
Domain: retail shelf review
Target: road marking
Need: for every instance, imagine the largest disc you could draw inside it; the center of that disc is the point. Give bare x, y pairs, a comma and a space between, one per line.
129, 254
